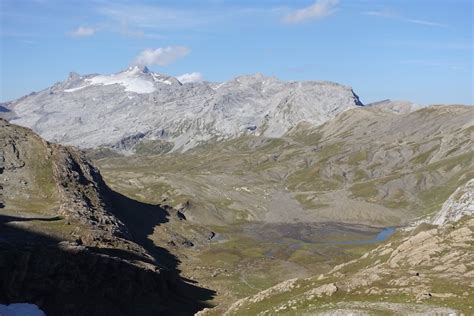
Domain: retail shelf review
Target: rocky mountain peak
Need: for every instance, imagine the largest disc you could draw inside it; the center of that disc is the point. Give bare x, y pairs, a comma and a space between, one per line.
144, 105
73, 76
137, 69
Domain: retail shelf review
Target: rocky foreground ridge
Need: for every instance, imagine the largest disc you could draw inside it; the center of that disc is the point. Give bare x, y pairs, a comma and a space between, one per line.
67, 243
138, 106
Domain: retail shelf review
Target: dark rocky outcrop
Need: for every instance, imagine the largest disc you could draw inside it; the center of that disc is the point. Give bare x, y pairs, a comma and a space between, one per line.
68, 279
71, 280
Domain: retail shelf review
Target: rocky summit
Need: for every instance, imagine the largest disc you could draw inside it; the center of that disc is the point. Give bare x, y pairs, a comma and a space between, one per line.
136, 105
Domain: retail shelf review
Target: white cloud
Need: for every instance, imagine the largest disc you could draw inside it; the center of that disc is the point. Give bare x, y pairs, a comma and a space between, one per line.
320, 9
83, 31
190, 77
393, 15
161, 56
155, 17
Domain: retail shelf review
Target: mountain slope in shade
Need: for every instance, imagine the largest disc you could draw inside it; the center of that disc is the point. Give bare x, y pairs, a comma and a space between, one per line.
71, 245
123, 109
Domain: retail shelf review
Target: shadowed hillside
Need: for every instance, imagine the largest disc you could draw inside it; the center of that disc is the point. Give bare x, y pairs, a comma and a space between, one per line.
73, 246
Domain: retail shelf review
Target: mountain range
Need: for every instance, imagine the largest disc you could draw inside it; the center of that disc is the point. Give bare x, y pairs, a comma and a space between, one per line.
252, 196
139, 105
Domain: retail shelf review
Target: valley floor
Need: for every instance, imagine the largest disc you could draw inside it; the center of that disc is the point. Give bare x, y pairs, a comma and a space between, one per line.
304, 223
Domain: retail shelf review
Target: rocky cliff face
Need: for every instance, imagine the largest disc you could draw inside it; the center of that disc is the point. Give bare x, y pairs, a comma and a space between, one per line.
459, 204
83, 194
126, 108
43, 179
67, 243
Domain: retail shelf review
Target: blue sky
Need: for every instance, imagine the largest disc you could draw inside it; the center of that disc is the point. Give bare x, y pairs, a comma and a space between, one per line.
418, 50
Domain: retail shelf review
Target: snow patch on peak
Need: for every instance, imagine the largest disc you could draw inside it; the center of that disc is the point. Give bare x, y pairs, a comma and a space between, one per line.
138, 79
129, 79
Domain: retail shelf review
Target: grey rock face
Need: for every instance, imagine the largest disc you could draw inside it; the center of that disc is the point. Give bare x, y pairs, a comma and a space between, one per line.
122, 109
459, 204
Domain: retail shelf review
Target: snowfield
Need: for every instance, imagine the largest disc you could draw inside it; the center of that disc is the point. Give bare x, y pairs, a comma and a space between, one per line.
130, 79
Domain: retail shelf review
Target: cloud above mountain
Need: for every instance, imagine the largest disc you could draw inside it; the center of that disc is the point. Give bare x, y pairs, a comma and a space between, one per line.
190, 77
162, 56
318, 10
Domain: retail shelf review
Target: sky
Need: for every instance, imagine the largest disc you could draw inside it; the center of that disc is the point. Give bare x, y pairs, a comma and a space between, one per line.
417, 50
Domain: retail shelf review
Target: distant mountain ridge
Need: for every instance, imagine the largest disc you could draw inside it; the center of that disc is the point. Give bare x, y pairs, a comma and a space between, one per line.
395, 106
126, 108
